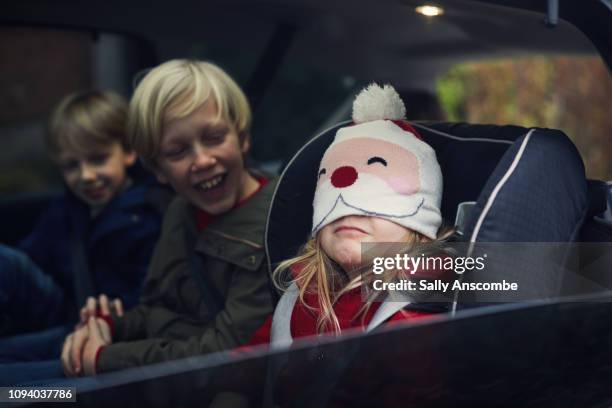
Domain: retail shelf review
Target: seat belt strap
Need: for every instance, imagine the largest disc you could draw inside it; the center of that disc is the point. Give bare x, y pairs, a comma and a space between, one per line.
280, 334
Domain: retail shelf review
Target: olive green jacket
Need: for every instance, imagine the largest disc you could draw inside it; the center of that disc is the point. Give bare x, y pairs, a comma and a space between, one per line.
172, 320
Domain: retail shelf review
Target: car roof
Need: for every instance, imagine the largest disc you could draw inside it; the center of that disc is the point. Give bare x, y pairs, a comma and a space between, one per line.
382, 40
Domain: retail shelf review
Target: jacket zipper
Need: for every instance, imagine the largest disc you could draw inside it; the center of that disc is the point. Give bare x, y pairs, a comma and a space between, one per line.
233, 238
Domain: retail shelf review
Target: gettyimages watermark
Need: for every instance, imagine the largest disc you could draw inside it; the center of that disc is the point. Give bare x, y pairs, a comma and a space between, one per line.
485, 272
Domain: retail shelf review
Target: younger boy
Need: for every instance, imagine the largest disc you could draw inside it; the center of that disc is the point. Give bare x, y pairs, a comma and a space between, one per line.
97, 237
207, 288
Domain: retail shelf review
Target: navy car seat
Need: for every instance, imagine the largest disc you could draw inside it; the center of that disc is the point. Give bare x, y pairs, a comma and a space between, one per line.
528, 185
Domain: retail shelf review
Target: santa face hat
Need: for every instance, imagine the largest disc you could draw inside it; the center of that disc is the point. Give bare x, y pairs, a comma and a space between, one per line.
379, 167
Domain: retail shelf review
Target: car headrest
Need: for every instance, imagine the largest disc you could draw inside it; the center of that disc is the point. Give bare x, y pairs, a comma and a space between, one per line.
536, 193
473, 158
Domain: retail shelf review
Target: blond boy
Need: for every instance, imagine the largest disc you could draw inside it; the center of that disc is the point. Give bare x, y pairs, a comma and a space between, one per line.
207, 288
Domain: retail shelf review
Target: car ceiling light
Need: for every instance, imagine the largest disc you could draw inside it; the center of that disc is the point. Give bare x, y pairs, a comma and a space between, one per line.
430, 11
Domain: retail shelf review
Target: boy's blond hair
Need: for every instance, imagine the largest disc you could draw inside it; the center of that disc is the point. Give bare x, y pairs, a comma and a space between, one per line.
174, 90
84, 122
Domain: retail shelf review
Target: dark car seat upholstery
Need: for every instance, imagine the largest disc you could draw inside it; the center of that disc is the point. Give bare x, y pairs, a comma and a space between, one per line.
537, 192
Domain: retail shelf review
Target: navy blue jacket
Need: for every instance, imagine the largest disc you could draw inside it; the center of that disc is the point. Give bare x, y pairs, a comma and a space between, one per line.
115, 246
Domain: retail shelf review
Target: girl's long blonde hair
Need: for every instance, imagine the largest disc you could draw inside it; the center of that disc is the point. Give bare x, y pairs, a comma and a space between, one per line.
316, 272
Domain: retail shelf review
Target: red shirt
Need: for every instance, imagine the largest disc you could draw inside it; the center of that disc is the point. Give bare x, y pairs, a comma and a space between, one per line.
304, 321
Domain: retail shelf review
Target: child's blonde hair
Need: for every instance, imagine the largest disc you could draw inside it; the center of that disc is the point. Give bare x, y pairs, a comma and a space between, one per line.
87, 121
175, 89
316, 272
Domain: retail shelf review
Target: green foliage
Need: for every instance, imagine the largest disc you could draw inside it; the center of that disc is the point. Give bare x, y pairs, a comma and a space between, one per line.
566, 93
451, 90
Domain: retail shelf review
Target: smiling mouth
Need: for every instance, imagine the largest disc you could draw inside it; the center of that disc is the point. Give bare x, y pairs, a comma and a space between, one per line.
210, 183
94, 191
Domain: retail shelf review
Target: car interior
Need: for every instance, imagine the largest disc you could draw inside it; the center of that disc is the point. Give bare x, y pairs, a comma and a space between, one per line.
367, 42
507, 183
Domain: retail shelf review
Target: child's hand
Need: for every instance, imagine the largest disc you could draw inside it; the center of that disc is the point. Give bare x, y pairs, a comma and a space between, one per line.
81, 347
91, 307
99, 336
71, 351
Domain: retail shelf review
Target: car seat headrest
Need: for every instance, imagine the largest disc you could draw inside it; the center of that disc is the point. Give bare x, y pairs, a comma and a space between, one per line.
537, 193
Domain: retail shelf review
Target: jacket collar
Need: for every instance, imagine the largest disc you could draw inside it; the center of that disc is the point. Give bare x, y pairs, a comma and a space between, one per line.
238, 235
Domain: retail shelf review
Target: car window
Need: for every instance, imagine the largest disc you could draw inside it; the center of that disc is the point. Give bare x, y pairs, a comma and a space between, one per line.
569, 93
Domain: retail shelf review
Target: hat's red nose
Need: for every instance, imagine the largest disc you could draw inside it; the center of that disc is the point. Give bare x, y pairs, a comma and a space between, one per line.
344, 176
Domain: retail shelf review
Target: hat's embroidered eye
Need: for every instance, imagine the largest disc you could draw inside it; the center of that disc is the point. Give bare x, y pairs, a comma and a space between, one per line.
322, 172
377, 159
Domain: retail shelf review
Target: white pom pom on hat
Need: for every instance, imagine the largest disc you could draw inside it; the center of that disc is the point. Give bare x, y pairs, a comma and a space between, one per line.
376, 103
